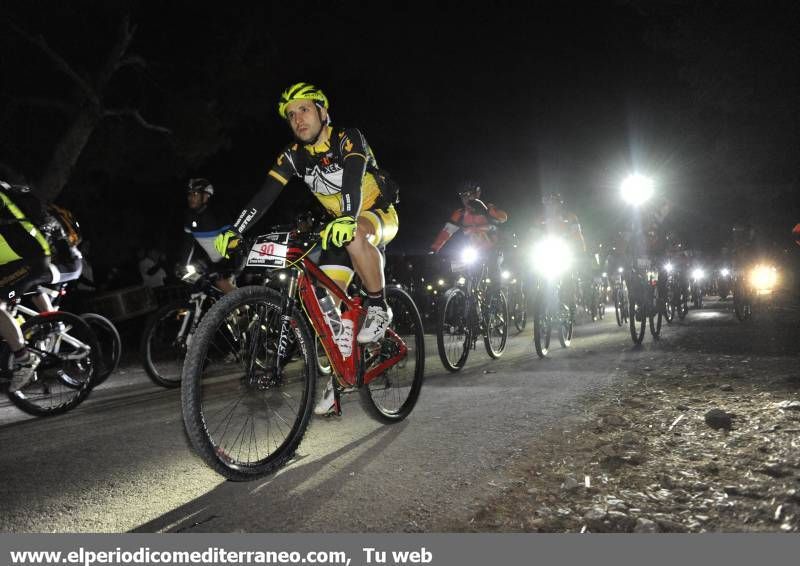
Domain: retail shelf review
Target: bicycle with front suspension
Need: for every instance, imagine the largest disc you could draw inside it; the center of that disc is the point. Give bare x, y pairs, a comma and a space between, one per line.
249, 381
475, 306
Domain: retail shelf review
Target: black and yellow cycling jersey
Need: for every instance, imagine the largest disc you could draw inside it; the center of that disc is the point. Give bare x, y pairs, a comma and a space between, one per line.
24, 249
20, 237
323, 173
336, 173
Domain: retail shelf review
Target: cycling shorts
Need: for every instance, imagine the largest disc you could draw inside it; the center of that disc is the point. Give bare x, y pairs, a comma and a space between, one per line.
335, 261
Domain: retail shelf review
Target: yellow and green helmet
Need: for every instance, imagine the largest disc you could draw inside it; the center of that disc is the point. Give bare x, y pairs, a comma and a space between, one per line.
301, 91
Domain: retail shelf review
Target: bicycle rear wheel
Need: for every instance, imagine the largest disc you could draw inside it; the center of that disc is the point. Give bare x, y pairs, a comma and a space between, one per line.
453, 333
109, 343
68, 351
496, 322
244, 418
390, 397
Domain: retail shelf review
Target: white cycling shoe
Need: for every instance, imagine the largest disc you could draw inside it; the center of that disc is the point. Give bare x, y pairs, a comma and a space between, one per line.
377, 321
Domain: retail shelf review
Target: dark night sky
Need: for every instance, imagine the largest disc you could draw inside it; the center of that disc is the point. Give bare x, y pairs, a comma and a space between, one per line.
570, 95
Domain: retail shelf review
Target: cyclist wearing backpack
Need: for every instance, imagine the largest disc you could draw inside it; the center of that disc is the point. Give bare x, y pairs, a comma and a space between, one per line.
24, 262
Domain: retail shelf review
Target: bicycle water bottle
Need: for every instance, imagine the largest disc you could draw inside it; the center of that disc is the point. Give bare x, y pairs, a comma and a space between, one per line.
342, 329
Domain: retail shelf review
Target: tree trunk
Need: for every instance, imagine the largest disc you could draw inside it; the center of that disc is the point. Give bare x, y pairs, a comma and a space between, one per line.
66, 153
71, 145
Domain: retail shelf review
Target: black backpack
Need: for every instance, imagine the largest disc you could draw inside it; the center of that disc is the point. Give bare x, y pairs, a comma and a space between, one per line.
390, 190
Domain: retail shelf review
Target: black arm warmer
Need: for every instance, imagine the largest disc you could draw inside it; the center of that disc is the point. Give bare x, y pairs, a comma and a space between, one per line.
354, 168
258, 205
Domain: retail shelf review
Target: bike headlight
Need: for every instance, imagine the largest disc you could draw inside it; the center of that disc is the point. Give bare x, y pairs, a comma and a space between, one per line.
506, 274
764, 277
668, 268
725, 271
190, 274
698, 273
552, 257
620, 270
604, 274
429, 287
462, 280
469, 255
441, 282
636, 189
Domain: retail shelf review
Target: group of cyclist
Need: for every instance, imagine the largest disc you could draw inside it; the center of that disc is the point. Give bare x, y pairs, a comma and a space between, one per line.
339, 167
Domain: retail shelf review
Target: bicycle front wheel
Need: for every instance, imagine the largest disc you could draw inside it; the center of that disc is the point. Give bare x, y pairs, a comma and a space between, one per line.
518, 308
620, 307
245, 411
109, 343
164, 343
741, 304
453, 333
67, 351
656, 305
496, 320
683, 306
541, 324
637, 314
565, 331
390, 397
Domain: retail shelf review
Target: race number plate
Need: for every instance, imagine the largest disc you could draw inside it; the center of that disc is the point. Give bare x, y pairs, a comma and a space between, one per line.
269, 251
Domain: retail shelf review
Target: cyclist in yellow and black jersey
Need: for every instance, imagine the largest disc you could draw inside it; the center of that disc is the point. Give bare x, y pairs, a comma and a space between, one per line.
336, 165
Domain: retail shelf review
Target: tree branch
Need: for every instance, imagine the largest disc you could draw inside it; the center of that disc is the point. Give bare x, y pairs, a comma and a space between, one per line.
132, 113
59, 62
132, 61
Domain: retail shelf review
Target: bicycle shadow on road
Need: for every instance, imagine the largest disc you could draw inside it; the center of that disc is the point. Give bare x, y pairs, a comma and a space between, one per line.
282, 501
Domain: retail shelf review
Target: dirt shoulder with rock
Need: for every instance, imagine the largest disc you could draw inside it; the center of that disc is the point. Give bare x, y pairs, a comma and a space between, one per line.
700, 433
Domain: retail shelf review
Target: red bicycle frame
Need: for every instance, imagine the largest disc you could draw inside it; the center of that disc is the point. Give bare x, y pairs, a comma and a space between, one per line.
350, 370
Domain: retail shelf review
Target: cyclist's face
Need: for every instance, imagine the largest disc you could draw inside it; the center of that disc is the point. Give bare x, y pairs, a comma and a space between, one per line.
305, 118
468, 196
196, 199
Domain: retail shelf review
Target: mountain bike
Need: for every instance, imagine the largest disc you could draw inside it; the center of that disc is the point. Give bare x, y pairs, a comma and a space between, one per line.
109, 342
247, 395
754, 289
647, 300
620, 293
552, 310
68, 361
596, 303
169, 330
555, 295
473, 307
